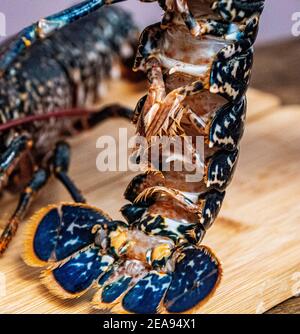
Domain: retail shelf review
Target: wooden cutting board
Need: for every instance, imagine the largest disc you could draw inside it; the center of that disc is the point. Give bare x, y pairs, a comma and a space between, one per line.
257, 235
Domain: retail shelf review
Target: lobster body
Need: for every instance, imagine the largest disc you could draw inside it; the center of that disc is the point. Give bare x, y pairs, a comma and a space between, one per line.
50, 73
67, 70
198, 62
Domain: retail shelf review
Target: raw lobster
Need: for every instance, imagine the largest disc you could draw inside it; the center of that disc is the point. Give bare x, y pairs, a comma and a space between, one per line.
198, 62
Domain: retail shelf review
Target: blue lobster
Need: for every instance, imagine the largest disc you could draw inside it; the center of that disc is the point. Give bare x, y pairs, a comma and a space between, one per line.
198, 61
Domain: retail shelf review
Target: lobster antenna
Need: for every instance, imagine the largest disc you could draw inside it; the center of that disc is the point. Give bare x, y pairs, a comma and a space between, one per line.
67, 113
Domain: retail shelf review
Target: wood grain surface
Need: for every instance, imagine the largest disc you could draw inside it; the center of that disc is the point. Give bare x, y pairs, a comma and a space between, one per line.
257, 235
277, 76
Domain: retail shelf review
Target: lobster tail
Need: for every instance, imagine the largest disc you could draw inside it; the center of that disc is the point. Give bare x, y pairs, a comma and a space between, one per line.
83, 248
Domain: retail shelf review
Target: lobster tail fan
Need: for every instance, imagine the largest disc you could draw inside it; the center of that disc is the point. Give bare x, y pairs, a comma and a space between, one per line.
145, 297
125, 292
58, 231
41, 236
73, 277
62, 237
196, 276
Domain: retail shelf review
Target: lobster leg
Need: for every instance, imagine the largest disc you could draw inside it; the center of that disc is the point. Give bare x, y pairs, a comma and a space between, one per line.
61, 162
148, 45
44, 27
179, 7
108, 112
37, 182
11, 157
192, 279
221, 29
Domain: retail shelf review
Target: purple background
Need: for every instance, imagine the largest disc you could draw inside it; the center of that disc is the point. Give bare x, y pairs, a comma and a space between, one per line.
276, 22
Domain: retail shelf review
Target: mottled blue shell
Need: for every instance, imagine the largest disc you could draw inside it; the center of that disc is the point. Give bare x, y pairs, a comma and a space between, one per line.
81, 271
227, 127
67, 229
195, 277
230, 78
221, 169
238, 10
147, 294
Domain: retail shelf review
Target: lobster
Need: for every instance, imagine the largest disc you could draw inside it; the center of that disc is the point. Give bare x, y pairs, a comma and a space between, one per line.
198, 62
47, 84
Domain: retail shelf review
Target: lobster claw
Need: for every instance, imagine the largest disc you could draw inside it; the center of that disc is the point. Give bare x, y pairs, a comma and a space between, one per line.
196, 276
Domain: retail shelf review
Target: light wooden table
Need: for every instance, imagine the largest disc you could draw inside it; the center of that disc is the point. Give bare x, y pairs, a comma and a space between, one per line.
257, 235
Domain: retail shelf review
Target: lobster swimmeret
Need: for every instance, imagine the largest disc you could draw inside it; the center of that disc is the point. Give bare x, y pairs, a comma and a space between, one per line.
198, 62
